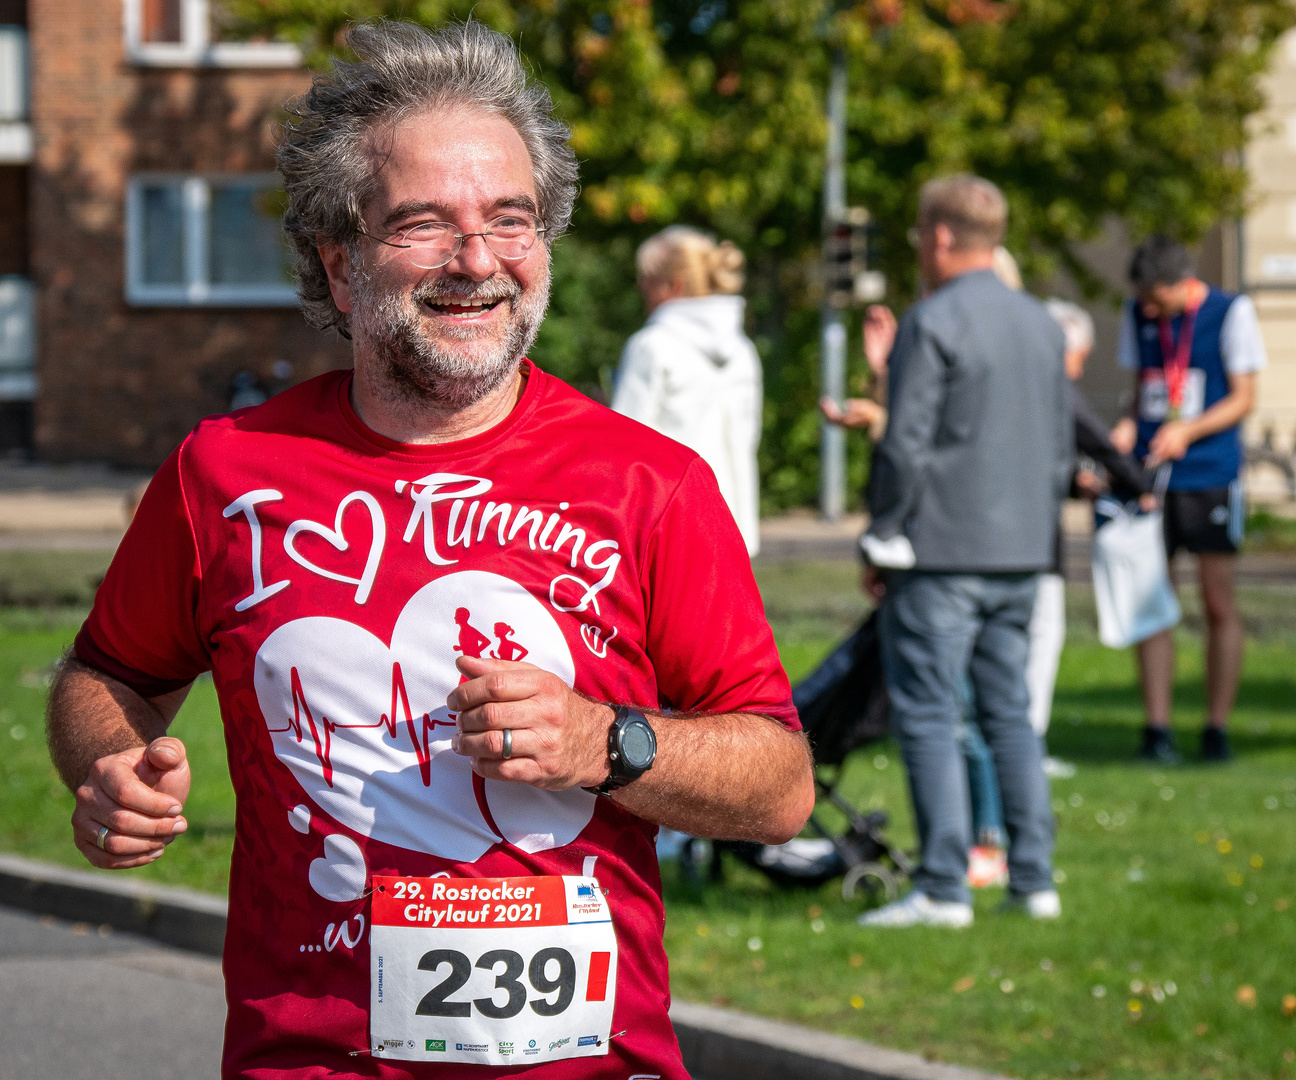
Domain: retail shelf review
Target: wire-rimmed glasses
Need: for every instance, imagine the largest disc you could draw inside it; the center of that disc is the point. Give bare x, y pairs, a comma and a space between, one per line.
429, 245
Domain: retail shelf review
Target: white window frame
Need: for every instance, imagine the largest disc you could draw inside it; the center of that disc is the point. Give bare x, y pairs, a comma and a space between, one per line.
18, 339
195, 48
15, 131
197, 290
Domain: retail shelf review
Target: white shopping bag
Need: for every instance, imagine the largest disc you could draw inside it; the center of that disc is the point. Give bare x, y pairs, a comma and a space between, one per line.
1131, 579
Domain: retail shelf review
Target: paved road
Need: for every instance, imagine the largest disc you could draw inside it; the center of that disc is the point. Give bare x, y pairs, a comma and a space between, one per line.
79, 1002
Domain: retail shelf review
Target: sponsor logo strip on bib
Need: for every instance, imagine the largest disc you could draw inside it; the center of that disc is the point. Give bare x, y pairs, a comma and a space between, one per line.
491, 971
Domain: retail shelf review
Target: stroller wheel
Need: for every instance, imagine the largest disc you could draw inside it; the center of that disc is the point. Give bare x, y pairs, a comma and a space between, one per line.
872, 877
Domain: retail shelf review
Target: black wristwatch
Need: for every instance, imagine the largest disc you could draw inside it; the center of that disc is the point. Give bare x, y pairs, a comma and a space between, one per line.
632, 749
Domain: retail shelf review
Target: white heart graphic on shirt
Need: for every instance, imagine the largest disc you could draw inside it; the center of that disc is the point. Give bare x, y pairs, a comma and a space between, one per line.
339, 541
365, 730
340, 874
299, 818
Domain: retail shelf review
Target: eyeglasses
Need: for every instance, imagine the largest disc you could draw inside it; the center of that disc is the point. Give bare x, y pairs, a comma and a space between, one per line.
429, 245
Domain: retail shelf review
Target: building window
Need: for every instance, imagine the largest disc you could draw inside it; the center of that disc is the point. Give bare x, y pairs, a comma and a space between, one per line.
17, 339
214, 241
15, 131
193, 33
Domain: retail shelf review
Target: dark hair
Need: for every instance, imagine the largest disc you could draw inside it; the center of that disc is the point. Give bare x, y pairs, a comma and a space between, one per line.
326, 154
1159, 261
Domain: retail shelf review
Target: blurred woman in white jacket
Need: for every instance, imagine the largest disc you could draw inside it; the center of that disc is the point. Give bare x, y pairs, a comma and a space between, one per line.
691, 373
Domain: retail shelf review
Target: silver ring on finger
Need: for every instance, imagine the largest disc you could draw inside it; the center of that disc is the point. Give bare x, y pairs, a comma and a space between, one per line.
508, 743
100, 840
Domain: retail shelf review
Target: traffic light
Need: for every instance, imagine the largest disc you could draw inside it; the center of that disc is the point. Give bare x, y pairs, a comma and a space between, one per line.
846, 257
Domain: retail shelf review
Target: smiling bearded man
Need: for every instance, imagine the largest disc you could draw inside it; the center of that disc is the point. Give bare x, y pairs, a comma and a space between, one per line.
443, 860
434, 365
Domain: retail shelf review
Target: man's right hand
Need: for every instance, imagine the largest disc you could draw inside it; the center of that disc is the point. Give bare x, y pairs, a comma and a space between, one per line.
1089, 484
879, 335
1124, 435
139, 795
859, 413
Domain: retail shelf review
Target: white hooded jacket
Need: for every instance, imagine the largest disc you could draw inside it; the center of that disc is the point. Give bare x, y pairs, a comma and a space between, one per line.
692, 374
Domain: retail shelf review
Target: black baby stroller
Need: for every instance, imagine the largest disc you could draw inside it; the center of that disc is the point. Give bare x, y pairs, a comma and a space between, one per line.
843, 706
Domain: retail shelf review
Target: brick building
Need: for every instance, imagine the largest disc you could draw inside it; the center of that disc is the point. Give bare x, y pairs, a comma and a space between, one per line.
137, 198
1265, 244
1256, 255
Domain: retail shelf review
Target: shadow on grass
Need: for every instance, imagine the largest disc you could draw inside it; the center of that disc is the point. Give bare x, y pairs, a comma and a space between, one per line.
1119, 743
1256, 694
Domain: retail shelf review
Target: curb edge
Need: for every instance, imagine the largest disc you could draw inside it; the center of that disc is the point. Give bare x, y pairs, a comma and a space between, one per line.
719, 1044
184, 918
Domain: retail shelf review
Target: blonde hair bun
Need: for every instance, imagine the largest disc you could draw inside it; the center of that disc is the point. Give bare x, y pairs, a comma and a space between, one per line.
692, 258
726, 269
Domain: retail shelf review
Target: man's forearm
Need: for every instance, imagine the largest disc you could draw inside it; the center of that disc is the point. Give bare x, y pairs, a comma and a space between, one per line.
91, 715
735, 776
1221, 416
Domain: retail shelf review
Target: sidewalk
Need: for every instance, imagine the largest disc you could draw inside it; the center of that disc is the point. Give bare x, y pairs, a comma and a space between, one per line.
63, 506
84, 507
802, 534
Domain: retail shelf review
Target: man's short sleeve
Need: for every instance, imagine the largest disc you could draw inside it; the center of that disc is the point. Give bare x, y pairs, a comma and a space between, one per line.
708, 637
1241, 344
1127, 353
142, 629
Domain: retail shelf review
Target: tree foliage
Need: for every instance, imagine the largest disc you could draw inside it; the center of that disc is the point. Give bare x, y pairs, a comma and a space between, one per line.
712, 112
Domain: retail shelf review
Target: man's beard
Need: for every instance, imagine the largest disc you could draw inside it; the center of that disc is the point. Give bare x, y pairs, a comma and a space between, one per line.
416, 368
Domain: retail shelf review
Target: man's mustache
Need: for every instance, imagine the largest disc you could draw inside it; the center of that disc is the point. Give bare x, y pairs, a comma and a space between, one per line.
457, 290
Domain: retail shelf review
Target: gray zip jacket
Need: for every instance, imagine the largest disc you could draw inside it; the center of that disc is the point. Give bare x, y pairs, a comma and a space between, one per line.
978, 448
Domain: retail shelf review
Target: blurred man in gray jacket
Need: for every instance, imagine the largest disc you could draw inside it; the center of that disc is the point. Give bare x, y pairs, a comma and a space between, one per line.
964, 499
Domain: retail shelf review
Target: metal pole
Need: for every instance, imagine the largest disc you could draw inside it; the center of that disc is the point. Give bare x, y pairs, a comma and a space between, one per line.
832, 335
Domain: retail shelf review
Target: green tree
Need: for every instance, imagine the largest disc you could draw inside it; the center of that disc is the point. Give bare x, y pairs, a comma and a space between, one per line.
711, 112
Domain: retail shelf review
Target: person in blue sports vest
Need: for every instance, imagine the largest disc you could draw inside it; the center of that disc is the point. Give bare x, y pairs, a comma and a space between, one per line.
1195, 351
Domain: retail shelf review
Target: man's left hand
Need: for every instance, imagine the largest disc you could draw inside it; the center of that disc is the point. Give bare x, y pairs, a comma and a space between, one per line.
1170, 443
873, 582
559, 738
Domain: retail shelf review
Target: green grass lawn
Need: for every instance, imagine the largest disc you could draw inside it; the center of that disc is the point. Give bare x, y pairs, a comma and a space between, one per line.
1267, 531
35, 808
1177, 942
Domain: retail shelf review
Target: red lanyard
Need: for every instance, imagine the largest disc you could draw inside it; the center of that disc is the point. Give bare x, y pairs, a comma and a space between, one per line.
1175, 356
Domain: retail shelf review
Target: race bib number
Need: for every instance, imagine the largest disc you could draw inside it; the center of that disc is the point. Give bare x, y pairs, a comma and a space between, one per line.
1154, 397
491, 971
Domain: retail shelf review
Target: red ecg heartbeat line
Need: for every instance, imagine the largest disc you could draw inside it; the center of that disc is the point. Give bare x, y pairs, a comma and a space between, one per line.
419, 736
472, 642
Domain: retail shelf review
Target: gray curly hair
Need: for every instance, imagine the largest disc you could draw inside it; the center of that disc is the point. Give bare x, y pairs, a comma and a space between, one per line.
325, 155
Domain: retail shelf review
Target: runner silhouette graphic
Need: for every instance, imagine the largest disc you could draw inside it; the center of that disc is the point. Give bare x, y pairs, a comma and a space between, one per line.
507, 649
471, 640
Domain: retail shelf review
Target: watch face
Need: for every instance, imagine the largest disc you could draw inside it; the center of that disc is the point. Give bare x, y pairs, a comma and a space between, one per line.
638, 747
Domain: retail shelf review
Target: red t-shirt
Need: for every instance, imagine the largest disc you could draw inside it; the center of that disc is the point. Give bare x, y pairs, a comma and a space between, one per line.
328, 578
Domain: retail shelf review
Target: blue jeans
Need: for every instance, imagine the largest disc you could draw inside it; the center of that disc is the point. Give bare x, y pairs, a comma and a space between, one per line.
983, 785
934, 627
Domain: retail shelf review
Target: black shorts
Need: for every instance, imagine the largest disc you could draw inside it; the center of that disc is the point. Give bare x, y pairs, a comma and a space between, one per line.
1205, 522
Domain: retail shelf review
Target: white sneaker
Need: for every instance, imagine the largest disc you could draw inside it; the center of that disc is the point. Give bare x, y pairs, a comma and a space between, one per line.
918, 909
1057, 769
1044, 904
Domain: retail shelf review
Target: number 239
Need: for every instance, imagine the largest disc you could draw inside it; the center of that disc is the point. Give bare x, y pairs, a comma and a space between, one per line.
434, 1002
